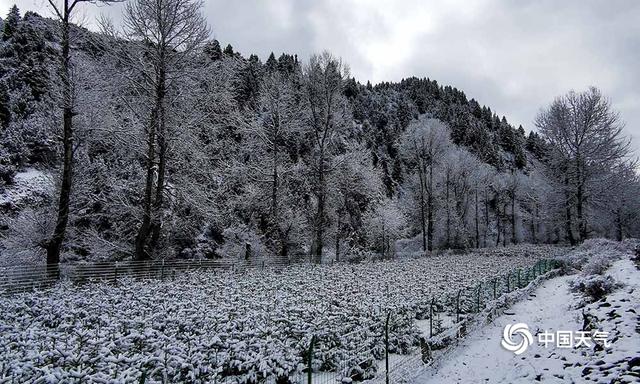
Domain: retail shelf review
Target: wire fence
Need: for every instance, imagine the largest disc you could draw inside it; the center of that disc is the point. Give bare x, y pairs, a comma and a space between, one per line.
24, 278
382, 352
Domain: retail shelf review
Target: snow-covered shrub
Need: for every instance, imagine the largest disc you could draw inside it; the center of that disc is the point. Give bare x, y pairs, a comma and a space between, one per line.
633, 245
383, 226
594, 287
603, 244
7, 172
26, 235
358, 254
594, 256
598, 263
409, 247
242, 241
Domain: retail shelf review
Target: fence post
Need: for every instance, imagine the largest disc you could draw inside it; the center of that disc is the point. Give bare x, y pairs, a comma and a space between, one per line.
508, 282
386, 347
431, 318
478, 301
162, 271
458, 306
519, 282
495, 282
310, 358
533, 271
115, 274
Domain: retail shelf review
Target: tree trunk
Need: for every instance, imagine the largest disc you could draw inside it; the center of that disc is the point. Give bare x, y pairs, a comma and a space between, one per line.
319, 235
534, 224
274, 187
162, 166
477, 221
430, 218
498, 224
423, 223
54, 244
514, 240
383, 242
568, 222
504, 226
619, 234
448, 211
582, 227
339, 213
156, 123
486, 216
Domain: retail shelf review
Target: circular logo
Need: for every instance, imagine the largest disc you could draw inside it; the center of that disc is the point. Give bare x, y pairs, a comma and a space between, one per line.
519, 332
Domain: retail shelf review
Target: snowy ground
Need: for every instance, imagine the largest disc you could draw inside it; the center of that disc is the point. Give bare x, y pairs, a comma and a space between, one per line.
480, 357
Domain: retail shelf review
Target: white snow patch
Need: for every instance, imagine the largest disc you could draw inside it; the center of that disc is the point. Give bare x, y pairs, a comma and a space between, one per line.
29, 185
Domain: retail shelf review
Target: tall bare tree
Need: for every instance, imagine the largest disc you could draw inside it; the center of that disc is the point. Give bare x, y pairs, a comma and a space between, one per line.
324, 76
279, 121
587, 134
64, 11
424, 145
169, 34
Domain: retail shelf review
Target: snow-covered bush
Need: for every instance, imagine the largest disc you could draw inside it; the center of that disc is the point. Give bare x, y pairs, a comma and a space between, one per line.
383, 226
242, 242
633, 245
7, 170
594, 256
411, 247
358, 254
594, 287
25, 235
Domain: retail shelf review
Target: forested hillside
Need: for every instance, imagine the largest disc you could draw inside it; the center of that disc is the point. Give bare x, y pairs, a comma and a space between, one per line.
169, 145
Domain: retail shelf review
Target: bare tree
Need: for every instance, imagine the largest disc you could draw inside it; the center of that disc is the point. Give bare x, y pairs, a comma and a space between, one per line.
169, 34
64, 13
324, 76
587, 135
424, 145
279, 120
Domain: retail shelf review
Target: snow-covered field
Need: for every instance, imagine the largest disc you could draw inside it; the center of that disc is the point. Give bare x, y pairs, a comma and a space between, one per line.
555, 307
230, 327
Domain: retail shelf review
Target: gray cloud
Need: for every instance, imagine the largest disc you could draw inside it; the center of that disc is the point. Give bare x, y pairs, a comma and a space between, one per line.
514, 56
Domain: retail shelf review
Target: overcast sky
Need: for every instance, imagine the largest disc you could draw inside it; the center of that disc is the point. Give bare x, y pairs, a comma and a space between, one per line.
514, 56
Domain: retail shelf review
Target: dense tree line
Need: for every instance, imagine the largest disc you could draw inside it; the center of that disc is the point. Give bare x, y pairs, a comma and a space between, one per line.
180, 148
